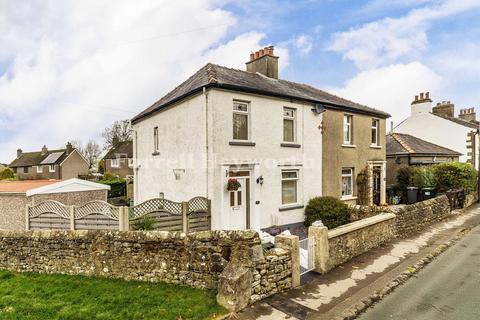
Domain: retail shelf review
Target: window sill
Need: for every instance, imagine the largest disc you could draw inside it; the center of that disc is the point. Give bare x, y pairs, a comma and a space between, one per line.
346, 198
242, 143
156, 153
291, 207
349, 146
375, 147
290, 145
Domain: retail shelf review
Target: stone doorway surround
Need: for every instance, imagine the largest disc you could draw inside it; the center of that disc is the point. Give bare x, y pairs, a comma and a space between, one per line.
383, 182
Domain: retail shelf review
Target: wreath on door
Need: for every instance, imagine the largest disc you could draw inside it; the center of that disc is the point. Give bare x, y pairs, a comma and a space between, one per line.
233, 184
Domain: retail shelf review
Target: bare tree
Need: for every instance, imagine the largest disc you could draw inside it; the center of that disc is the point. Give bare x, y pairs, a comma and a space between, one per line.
91, 151
119, 129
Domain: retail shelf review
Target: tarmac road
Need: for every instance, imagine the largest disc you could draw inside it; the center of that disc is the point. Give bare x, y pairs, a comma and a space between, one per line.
448, 288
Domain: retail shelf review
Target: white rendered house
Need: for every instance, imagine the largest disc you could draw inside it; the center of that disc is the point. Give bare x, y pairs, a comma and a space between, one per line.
223, 124
438, 124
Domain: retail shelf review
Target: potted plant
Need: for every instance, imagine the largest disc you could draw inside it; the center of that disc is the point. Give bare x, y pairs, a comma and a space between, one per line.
233, 184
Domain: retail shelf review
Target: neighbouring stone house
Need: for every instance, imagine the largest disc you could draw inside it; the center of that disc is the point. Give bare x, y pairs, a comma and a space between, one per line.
278, 139
438, 124
15, 195
404, 150
119, 159
59, 164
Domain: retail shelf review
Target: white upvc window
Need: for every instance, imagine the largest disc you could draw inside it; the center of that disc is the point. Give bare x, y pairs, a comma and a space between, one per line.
115, 163
39, 169
375, 132
289, 125
130, 162
289, 187
155, 140
241, 118
347, 129
347, 182
51, 168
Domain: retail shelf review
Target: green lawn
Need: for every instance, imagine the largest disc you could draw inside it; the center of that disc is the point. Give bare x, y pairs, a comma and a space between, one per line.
38, 296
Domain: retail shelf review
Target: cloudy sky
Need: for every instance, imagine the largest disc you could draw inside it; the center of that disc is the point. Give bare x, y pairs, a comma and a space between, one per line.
70, 68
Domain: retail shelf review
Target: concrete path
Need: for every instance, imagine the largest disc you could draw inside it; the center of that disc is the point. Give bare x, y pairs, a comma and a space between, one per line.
328, 296
448, 288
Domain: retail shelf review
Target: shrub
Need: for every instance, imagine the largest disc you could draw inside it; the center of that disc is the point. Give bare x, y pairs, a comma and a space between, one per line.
331, 211
423, 177
404, 178
363, 190
6, 173
455, 175
145, 224
101, 166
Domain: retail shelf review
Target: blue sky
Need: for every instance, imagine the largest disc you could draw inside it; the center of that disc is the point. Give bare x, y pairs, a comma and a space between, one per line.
70, 68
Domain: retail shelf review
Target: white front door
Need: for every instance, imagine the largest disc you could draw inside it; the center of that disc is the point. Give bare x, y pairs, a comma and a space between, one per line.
238, 201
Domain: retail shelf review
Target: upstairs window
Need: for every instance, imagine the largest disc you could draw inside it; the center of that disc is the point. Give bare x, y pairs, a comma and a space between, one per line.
375, 131
288, 125
115, 163
155, 140
347, 129
240, 120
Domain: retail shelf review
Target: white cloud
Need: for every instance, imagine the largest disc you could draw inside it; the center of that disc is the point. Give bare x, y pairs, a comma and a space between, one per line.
303, 43
391, 88
74, 67
387, 40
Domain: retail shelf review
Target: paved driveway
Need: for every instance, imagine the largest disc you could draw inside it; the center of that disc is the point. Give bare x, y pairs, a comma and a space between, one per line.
448, 288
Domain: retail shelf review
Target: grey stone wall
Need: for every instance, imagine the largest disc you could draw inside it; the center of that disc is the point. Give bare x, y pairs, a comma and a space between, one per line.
470, 199
197, 259
346, 246
413, 218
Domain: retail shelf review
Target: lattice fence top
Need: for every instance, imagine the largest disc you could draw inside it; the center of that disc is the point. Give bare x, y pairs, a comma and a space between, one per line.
97, 207
197, 204
49, 206
156, 205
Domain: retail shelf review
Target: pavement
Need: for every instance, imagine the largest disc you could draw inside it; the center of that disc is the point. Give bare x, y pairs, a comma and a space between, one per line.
448, 288
332, 296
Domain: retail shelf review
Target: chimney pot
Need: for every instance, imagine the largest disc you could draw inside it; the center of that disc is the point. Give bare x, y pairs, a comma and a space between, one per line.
416, 98
252, 56
421, 95
427, 95
262, 52
257, 54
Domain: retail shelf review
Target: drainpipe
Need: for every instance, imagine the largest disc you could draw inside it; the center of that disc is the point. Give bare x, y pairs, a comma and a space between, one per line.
206, 139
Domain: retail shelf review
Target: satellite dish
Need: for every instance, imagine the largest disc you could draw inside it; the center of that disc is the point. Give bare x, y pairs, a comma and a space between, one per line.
319, 108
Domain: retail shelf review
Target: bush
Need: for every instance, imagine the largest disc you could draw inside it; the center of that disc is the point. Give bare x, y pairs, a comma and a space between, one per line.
423, 177
404, 178
331, 211
455, 175
145, 224
7, 173
363, 190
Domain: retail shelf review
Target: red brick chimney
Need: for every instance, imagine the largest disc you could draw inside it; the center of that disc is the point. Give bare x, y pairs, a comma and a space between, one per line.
265, 62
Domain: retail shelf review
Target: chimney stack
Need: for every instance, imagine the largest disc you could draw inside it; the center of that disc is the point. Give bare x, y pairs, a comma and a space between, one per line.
445, 109
69, 148
115, 141
468, 115
44, 150
19, 153
422, 104
265, 62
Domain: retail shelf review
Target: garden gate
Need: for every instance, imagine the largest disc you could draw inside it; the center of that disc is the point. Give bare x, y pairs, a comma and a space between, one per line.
307, 254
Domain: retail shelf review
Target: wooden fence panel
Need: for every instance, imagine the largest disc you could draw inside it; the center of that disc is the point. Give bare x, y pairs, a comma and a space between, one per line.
48, 221
96, 221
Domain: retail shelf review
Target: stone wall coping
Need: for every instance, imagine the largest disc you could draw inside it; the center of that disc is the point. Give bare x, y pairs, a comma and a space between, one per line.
360, 224
145, 236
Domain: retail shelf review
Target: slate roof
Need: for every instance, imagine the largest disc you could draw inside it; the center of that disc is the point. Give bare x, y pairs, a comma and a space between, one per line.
459, 121
122, 149
405, 144
212, 75
29, 159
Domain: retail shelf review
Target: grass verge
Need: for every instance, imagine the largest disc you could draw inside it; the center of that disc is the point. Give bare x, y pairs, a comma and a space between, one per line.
29, 296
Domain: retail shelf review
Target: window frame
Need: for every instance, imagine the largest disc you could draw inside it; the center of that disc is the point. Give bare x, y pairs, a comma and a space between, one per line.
243, 113
375, 127
25, 170
50, 168
156, 145
296, 179
348, 122
117, 163
292, 118
350, 175
130, 162
39, 169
